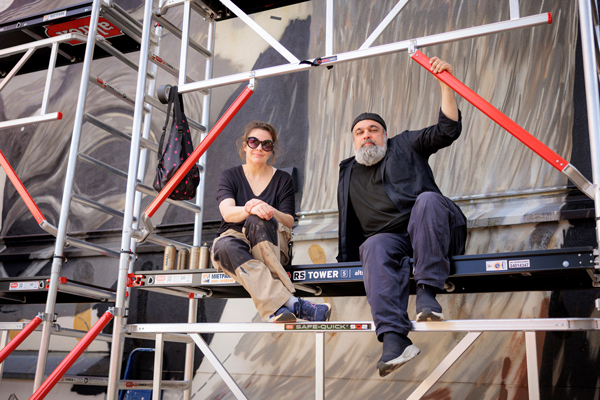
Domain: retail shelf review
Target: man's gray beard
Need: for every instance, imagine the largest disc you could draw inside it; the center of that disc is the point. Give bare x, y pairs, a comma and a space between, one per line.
370, 155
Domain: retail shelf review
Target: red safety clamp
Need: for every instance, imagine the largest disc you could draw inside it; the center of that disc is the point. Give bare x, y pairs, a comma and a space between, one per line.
135, 280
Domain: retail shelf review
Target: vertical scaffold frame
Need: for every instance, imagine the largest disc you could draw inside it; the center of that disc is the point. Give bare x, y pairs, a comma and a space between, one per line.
474, 327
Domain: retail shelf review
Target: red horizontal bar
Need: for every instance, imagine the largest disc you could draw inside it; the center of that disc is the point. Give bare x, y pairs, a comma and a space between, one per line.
65, 364
10, 172
195, 156
21, 336
496, 115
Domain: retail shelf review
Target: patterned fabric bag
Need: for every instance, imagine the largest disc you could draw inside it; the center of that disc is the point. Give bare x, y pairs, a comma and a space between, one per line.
175, 152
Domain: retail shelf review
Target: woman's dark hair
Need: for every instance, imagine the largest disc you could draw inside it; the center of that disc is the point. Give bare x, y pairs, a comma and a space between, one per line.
249, 128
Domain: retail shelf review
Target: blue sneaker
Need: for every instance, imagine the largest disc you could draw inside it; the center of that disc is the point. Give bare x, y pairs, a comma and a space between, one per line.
312, 312
283, 314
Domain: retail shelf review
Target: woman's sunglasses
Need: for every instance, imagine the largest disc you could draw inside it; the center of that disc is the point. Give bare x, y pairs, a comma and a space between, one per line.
253, 143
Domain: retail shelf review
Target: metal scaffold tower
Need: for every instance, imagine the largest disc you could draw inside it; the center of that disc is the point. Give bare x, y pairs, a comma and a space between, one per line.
138, 227
103, 16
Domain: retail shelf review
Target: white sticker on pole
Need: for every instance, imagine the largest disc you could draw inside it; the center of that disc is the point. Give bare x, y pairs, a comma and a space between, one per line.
172, 279
519, 264
24, 285
497, 265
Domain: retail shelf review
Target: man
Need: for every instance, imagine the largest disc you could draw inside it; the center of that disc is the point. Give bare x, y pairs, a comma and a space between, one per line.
390, 209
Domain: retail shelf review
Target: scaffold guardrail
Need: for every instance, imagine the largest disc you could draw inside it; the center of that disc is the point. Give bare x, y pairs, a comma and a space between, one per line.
539, 148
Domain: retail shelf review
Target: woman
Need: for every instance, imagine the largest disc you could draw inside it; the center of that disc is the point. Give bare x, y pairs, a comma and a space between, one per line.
257, 207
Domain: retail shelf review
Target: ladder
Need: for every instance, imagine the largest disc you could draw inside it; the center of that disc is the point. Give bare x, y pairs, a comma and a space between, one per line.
110, 31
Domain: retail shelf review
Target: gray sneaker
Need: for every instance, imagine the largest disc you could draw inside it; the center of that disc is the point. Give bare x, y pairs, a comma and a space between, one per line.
387, 367
428, 308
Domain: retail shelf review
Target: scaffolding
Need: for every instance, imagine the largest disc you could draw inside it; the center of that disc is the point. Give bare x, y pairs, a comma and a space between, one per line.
103, 17
138, 226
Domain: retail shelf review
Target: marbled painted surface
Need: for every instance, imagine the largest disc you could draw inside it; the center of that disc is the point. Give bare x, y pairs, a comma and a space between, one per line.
528, 74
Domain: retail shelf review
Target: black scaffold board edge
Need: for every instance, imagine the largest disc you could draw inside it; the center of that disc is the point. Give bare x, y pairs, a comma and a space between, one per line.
71, 19
34, 290
560, 269
247, 6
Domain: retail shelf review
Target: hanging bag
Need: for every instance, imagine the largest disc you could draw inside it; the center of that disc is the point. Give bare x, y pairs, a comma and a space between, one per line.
177, 148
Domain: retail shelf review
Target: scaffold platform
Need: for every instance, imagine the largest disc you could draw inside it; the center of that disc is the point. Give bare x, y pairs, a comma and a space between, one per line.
560, 269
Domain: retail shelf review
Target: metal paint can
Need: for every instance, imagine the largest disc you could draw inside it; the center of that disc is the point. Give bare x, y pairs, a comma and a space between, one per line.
195, 258
169, 260
204, 256
183, 259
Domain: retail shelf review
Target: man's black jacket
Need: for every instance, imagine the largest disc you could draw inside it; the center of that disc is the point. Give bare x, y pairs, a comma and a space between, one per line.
405, 172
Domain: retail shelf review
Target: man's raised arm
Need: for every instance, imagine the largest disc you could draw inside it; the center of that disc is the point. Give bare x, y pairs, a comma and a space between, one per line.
449, 106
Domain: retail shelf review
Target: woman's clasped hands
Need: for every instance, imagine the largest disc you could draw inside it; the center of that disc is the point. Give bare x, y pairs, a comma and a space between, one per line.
259, 208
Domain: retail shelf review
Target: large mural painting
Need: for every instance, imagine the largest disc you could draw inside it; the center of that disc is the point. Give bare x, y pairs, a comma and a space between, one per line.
514, 201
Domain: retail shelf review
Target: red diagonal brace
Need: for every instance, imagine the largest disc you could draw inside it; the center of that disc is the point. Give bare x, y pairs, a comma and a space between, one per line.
512, 127
500, 118
39, 217
17, 340
64, 366
195, 156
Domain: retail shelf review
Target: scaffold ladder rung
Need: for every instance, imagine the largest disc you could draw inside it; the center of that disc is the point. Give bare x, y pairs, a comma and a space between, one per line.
147, 190
177, 33
140, 187
81, 244
129, 26
114, 131
98, 206
111, 89
169, 68
106, 46
163, 241
85, 245
65, 286
102, 165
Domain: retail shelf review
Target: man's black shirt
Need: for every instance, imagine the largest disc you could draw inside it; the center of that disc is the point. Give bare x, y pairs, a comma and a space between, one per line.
373, 207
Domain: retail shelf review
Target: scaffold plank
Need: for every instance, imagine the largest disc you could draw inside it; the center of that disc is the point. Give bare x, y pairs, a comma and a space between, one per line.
463, 325
482, 273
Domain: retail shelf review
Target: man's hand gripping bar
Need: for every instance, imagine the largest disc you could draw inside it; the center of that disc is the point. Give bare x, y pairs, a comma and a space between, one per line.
511, 126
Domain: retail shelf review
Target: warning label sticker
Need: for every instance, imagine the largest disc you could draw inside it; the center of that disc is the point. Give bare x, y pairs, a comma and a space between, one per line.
24, 285
172, 279
50, 17
217, 279
327, 327
498, 265
519, 264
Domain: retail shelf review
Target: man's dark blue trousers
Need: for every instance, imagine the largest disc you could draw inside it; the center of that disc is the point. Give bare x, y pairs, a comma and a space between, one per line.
436, 230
